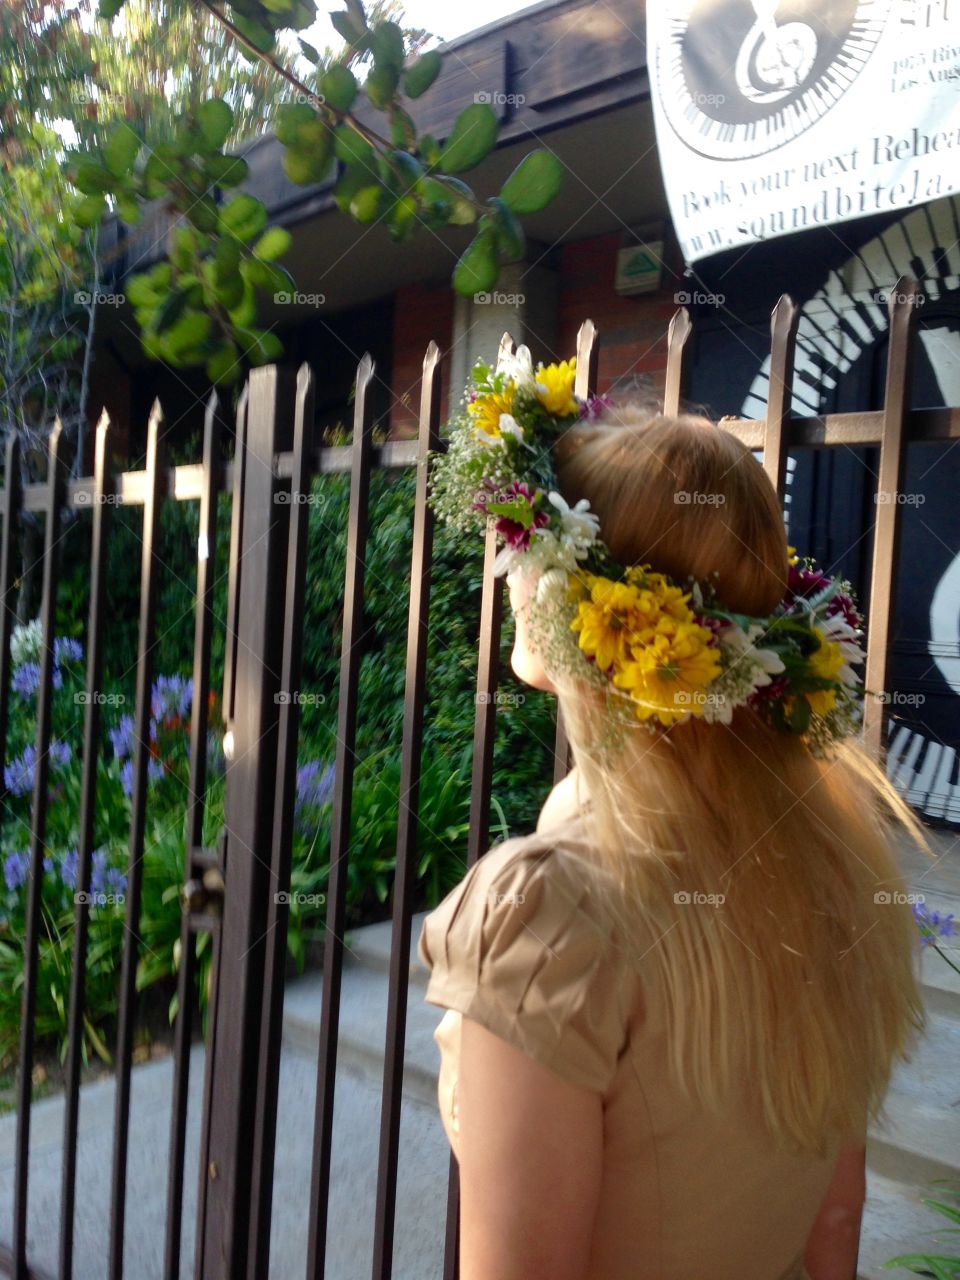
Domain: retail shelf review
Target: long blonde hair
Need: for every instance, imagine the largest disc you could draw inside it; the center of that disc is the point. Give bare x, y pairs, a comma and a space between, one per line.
804, 977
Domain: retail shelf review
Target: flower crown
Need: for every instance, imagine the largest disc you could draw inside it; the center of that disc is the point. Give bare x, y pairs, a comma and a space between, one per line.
666, 654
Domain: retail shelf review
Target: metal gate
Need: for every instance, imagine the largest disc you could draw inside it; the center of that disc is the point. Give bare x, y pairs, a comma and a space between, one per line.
237, 891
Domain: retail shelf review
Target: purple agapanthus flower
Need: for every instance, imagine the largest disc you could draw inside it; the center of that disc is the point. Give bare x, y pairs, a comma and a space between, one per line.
19, 775
933, 924
172, 695
313, 786
16, 869
121, 737
66, 648
26, 679
155, 771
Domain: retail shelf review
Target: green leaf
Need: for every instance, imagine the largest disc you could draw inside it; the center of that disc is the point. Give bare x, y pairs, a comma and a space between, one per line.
534, 182
273, 244
108, 9
309, 52
215, 120
189, 332
140, 291
245, 312
388, 45
90, 178
89, 211
259, 346
402, 217
409, 168
403, 129
368, 203
226, 171
474, 134
477, 270
348, 184
381, 85
464, 208
244, 217
350, 147
267, 275
509, 231
338, 85
170, 310
258, 33
418, 78
519, 510
121, 149
203, 214
345, 26
224, 365
430, 149
298, 125
306, 167
128, 208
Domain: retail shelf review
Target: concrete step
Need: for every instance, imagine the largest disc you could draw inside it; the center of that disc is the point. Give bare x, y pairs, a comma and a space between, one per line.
895, 1222
363, 1016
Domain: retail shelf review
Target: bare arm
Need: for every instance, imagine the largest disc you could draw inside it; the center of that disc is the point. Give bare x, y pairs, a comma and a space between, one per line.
835, 1236
531, 1154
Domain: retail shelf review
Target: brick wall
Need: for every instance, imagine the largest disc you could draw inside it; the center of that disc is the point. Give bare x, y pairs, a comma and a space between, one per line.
632, 329
421, 312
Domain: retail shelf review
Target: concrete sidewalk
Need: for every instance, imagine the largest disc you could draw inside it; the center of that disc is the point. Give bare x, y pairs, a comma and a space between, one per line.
921, 1143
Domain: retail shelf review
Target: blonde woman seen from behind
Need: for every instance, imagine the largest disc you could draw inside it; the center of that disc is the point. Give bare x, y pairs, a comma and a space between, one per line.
674, 1007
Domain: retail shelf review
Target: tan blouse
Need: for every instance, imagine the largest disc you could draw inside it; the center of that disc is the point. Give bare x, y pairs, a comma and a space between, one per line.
520, 946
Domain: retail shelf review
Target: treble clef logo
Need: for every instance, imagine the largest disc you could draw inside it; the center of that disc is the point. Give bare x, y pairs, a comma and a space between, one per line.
774, 61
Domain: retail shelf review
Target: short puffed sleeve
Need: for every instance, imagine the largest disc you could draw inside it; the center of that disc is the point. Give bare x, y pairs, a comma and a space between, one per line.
520, 946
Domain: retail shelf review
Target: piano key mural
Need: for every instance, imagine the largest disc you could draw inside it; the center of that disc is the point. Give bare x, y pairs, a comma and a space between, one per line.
841, 275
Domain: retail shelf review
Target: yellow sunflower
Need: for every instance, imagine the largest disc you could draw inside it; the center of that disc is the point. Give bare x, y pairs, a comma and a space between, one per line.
615, 615
825, 662
792, 557
486, 410
672, 600
670, 670
555, 387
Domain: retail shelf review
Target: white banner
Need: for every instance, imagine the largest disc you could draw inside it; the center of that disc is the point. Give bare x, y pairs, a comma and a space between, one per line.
772, 118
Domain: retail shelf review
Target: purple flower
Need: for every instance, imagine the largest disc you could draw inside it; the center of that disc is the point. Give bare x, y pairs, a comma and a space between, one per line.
172, 695
67, 648
122, 737
155, 771
26, 679
311, 788
16, 869
517, 535
20, 773
592, 408
931, 921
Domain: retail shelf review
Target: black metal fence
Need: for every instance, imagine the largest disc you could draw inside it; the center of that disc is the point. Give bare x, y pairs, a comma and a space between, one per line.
237, 890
